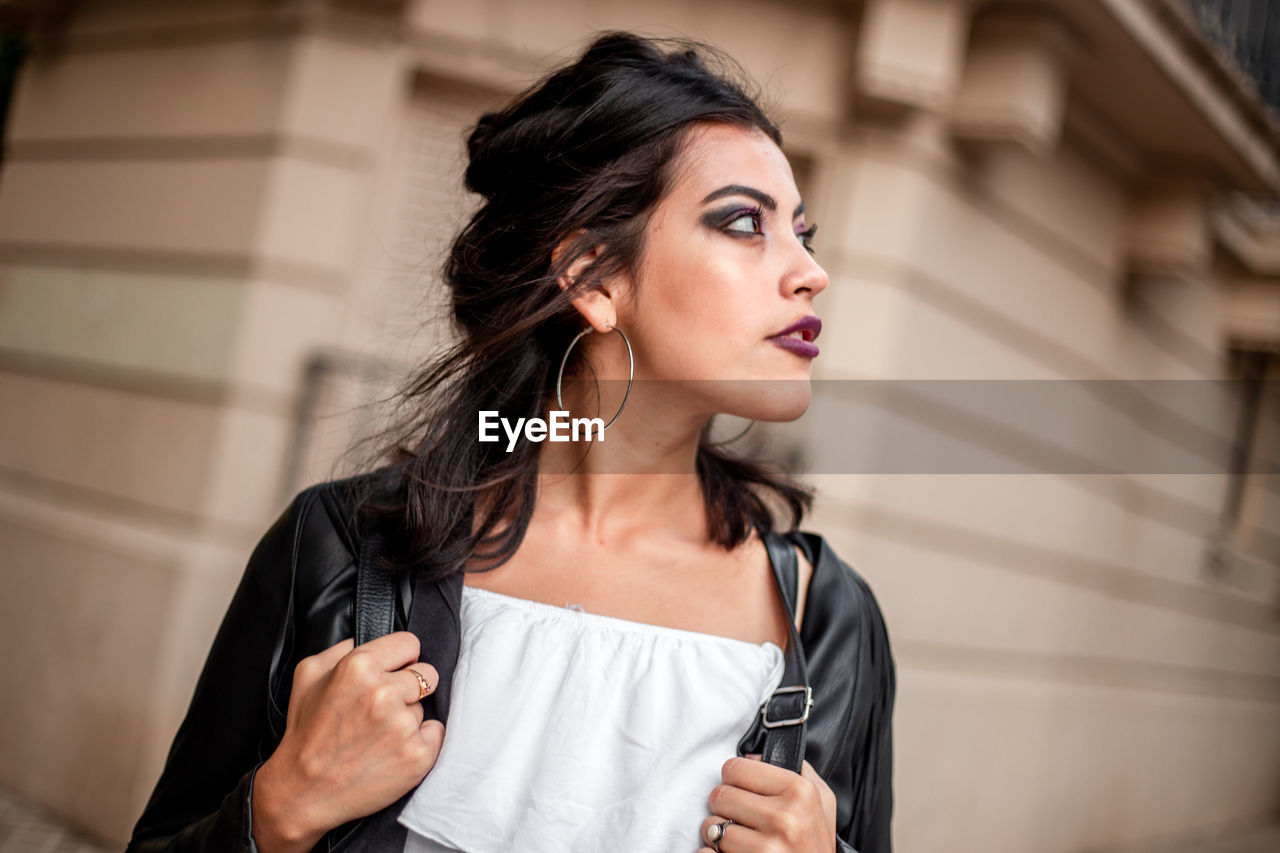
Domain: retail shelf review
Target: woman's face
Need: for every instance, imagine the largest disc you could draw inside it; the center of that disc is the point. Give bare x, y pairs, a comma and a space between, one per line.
725, 273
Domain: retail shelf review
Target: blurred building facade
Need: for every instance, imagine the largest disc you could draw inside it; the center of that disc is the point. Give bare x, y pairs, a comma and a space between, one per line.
220, 228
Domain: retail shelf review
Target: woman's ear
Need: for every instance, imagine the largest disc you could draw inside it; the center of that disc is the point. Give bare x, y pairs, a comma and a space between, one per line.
596, 305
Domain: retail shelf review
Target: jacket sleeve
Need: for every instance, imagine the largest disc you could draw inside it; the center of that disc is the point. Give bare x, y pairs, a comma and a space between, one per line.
202, 801
873, 754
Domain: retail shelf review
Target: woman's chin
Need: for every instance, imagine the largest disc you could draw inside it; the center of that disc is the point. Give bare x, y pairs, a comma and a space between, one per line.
776, 400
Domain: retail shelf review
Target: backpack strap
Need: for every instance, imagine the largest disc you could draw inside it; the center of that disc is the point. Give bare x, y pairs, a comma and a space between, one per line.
375, 594
778, 734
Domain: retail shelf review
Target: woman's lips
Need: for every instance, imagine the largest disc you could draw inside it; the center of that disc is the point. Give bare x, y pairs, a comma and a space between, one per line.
796, 345
799, 336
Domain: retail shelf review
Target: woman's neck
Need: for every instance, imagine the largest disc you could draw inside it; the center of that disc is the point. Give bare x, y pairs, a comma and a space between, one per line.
640, 475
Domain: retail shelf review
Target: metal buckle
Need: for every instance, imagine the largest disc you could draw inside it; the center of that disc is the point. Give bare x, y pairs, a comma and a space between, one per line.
808, 703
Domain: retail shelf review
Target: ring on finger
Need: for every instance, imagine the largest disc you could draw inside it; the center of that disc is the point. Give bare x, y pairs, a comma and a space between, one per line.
424, 687
715, 833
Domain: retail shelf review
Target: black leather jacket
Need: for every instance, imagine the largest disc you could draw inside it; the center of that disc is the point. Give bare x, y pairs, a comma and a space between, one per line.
296, 598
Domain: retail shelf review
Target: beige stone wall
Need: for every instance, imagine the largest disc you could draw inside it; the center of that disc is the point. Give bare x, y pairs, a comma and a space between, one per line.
183, 199
201, 199
1069, 677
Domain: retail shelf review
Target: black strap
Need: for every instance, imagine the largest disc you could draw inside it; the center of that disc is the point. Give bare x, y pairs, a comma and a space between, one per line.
375, 594
778, 733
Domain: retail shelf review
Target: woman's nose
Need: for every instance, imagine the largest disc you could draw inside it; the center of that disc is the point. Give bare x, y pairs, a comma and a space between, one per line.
807, 276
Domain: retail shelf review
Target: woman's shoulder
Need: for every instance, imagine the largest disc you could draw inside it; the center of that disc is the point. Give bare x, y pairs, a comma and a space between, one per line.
839, 598
340, 500
307, 565
844, 635
319, 531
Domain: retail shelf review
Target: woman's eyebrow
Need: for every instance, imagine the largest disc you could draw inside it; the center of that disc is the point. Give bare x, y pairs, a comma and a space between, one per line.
764, 198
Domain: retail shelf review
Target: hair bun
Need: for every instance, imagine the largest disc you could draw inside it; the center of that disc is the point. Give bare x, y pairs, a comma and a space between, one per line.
482, 175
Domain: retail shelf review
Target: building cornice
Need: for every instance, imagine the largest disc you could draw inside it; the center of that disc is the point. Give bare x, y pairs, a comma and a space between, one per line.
1173, 41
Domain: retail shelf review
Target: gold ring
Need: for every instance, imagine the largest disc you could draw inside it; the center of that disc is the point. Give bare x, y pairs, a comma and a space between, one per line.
423, 687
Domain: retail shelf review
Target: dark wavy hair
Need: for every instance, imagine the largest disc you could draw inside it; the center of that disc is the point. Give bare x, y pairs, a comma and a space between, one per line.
589, 148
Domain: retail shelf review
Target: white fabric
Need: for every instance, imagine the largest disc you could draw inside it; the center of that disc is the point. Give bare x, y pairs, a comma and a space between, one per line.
573, 731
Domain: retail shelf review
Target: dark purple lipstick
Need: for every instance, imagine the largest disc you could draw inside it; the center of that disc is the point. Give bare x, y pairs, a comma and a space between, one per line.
799, 336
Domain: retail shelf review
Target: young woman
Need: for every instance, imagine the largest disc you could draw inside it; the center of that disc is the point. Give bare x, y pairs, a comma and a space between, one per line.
641, 256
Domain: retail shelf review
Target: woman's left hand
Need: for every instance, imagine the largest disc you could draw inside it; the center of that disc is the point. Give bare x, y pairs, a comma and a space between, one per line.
773, 810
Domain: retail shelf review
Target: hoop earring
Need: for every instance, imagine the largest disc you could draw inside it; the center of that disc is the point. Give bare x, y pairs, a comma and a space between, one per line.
631, 370
735, 438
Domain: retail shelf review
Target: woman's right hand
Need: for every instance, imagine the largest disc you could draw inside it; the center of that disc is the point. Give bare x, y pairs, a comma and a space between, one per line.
354, 742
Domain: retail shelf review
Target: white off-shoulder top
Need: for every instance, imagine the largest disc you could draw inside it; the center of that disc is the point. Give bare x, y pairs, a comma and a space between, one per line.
574, 731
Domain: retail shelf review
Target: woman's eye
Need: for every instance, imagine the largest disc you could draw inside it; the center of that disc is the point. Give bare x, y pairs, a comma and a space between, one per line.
749, 216
806, 237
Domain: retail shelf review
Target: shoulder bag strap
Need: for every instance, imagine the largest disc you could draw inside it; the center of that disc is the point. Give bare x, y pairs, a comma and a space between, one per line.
783, 715
375, 594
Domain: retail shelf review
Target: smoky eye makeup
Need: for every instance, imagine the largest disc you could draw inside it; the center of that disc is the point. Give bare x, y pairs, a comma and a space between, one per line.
720, 220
